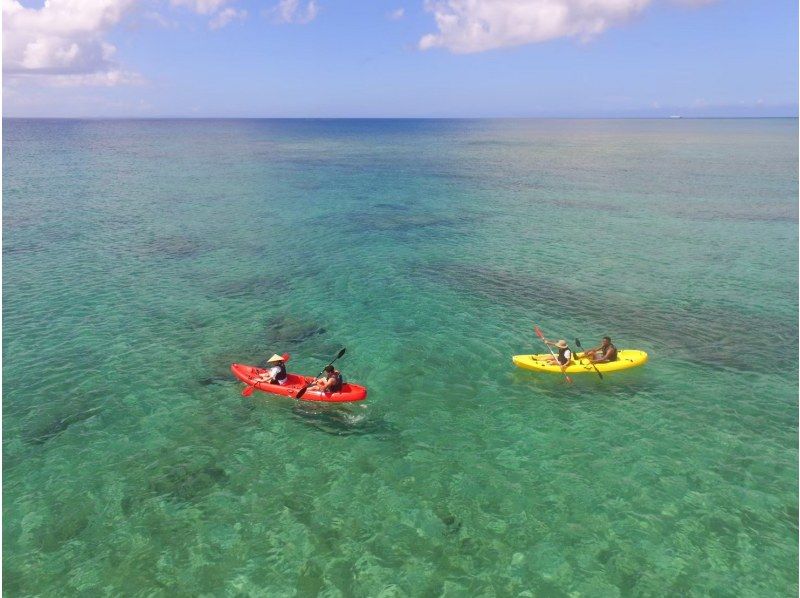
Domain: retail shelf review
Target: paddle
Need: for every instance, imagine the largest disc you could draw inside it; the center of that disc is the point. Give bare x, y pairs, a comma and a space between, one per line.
306, 387
541, 336
578, 344
248, 390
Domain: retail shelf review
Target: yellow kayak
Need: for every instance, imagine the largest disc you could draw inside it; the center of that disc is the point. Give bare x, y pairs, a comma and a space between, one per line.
626, 359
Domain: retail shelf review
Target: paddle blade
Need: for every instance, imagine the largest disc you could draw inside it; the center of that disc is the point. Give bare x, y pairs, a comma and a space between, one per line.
286, 357
248, 390
578, 343
538, 332
302, 392
340, 353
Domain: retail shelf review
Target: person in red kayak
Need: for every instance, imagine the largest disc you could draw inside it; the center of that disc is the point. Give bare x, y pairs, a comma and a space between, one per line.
604, 353
331, 381
276, 371
564, 356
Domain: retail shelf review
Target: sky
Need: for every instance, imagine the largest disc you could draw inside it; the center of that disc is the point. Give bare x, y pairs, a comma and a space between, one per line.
400, 58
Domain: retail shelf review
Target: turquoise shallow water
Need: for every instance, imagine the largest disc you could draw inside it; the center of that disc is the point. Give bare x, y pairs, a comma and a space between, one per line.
140, 258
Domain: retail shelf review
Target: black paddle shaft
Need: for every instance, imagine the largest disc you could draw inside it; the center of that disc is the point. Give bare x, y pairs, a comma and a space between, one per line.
578, 343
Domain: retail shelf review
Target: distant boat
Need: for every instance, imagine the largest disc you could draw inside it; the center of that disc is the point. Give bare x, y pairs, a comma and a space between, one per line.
675, 116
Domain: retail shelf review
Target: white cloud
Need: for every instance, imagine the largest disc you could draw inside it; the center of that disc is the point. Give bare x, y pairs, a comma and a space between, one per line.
225, 16
293, 11
63, 42
62, 38
101, 79
467, 26
221, 14
397, 14
159, 19
202, 7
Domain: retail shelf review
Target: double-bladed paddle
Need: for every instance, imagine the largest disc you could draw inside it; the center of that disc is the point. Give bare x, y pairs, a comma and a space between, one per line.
306, 387
578, 344
248, 390
541, 336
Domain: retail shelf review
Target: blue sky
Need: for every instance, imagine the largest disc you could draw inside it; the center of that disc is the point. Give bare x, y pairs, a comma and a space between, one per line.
412, 58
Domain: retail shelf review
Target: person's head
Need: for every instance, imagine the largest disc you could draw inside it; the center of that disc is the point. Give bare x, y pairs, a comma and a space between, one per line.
275, 359
329, 369
606, 341
562, 344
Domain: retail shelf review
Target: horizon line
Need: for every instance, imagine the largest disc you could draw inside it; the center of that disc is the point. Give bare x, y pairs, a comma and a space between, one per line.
186, 117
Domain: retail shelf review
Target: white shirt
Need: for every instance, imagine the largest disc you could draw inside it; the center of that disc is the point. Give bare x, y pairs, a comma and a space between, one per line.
274, 371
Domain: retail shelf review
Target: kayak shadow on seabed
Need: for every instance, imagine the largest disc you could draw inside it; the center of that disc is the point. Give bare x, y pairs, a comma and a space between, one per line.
339, 419
625, 384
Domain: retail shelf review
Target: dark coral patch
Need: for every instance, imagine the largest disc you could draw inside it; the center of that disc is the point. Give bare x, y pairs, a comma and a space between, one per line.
60, 424
187, 482
288, 330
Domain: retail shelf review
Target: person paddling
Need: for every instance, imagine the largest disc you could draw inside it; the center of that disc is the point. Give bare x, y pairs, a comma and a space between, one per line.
604, 353
564, 356
276, 371
331, 381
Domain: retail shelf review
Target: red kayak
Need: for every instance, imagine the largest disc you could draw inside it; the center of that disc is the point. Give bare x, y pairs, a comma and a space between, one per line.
294, 382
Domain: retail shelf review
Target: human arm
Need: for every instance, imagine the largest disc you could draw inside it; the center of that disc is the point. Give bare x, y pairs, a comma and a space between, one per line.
261, 376
609, 355
270, 375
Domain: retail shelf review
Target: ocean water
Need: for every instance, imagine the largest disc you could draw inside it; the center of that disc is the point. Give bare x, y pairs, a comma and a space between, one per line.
141, 258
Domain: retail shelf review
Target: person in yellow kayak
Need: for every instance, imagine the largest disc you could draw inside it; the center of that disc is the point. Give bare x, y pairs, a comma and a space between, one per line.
564, 356
331, 381
605, 353
276, 371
